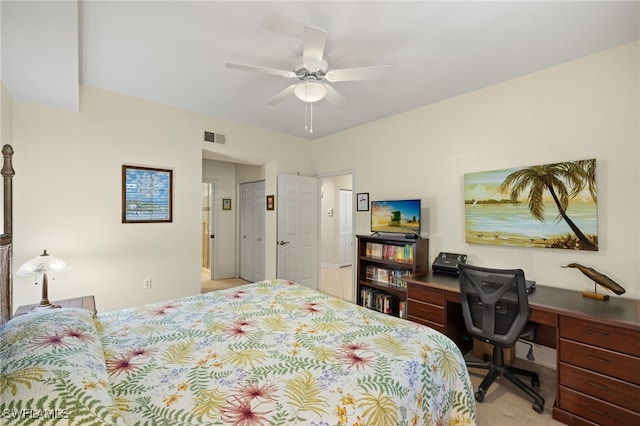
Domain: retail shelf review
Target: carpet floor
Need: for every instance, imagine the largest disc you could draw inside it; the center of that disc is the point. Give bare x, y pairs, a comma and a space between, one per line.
505, 404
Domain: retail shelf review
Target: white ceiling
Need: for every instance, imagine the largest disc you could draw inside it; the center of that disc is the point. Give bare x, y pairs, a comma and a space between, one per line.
174, 52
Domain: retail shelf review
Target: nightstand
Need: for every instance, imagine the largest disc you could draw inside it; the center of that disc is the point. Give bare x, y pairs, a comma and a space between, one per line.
84, 302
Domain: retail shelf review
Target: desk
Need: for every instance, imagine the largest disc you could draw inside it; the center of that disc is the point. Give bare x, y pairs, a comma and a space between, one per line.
597, 343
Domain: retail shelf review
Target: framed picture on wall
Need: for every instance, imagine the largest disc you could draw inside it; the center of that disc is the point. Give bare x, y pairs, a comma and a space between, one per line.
270, 202
226, 204
147, 194
362, 201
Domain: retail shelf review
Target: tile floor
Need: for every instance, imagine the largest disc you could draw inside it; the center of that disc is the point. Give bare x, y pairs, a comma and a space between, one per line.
334, 281
337, 282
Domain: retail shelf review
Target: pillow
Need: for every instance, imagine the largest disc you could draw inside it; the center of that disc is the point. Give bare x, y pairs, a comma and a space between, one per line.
52, 370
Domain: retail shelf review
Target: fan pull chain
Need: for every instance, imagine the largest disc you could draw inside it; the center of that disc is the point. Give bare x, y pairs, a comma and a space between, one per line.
308, 109
306, 120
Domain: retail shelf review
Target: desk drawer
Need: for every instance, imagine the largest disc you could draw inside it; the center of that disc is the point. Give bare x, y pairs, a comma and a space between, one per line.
437, 327
544, 317
425, 294
602, 387
602, 361
595, 410
619, 339
426, 311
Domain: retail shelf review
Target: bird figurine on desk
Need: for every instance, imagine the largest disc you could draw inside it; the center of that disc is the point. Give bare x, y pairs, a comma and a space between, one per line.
598, 278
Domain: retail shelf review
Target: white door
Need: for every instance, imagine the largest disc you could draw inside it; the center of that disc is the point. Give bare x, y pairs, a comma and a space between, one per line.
345, 251
298, 229
259, 208
245, 227
252, 214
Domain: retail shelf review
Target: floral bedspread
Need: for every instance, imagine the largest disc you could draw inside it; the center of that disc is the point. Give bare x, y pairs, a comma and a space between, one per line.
267, 353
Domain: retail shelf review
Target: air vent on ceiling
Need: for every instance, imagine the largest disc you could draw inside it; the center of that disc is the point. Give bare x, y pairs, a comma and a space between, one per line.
215, 137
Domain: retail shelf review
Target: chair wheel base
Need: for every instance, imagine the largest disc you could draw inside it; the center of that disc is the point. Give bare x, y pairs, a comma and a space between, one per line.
538, 408
535, 383
479, 396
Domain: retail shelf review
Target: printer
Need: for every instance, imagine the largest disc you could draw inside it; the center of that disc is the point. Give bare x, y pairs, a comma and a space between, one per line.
447, 263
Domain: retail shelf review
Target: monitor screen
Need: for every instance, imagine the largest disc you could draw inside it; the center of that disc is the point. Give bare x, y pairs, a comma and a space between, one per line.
396, 216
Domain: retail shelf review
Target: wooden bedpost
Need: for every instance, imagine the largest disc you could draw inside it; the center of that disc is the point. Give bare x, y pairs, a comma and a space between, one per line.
6, 239
7, 176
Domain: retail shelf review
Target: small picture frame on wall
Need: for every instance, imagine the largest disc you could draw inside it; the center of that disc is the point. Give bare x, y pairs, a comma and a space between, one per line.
147, 194
271, 203
362, 201
226, 204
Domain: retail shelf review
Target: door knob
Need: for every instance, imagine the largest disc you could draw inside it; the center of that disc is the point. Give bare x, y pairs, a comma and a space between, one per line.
282, 243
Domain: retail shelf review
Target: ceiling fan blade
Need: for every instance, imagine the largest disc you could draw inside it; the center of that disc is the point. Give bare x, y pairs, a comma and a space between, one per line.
334, 97
263, 70
315, 40
378, 72
282, 95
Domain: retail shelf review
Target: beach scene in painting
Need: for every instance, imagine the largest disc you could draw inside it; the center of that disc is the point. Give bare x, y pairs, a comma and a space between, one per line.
547, 206
398, 216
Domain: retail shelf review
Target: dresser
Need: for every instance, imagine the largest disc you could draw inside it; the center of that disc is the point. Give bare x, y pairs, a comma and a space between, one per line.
598, 372
597, 345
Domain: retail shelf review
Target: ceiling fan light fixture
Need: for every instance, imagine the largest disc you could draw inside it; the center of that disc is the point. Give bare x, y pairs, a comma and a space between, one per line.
310, 91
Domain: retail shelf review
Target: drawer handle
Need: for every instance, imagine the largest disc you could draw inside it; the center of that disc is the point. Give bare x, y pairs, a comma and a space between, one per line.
604, 413
598, 385
598, 332
597, 358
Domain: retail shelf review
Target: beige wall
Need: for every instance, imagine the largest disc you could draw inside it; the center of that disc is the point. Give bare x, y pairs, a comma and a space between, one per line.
6, 112
6, 130
68, 194
587, 108
68, 183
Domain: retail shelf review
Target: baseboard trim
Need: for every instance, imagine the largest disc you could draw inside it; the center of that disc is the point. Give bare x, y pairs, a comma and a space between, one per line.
544, 356
328, 265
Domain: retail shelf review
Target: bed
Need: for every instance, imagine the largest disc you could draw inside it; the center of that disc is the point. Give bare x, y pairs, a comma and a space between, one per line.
266, 353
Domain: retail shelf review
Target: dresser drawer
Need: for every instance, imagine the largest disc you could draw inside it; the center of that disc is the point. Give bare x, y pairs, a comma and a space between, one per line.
619, 339
425, 294
426, 311
592, 409
601, 387
603, 361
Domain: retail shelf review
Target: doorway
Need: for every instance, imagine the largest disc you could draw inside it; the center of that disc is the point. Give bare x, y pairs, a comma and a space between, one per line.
207, 232
336, 235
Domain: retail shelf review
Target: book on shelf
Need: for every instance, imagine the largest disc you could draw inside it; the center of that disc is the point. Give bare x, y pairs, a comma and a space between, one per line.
393, 277
397, 253
402, 309
376, 300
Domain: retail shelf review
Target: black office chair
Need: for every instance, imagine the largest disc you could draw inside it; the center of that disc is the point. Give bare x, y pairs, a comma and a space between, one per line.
496, 310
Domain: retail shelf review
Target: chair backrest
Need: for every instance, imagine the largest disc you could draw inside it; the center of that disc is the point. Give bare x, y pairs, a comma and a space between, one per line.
494, 303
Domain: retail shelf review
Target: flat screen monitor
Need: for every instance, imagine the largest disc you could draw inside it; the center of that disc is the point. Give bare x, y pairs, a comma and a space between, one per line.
396, 216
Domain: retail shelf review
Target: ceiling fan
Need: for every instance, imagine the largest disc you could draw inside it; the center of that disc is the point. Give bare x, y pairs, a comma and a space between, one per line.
313, 74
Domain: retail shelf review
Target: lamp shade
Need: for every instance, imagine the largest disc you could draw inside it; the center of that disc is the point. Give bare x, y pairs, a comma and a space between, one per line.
310, 91
43, 264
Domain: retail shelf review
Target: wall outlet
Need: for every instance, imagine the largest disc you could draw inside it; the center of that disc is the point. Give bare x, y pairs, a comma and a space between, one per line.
146, 283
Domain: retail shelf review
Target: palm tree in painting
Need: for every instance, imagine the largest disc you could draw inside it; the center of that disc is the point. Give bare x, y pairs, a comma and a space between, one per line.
563, 181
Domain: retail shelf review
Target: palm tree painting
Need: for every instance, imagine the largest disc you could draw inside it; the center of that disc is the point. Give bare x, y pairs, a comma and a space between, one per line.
549, 206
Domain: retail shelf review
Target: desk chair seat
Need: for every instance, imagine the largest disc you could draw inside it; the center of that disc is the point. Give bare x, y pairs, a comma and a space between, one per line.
495, 307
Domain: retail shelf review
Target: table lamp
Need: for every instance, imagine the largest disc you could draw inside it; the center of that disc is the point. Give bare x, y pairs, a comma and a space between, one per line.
43, 264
